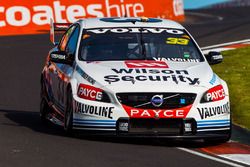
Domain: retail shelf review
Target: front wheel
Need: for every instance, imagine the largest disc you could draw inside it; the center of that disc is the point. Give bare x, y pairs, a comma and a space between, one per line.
44, 107
44, 110
68, 115
219, 140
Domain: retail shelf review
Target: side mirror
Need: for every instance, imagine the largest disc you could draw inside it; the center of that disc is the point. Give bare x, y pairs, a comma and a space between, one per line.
214, 57
61, 57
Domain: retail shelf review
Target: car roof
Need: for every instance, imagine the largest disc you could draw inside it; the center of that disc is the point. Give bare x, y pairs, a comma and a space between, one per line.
128, 22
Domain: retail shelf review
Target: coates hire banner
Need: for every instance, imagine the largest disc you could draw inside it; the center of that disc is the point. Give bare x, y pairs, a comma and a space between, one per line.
19, 17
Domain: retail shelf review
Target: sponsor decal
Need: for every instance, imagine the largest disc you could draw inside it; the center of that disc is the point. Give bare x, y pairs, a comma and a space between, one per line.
177, 41
139, 75
31, 17
215, 94
186, 55
217, 57
157, 100
106, 112
57, 56
145, 64
89, 92
157, 113
207, 112
85, 76
135, 30
159, 59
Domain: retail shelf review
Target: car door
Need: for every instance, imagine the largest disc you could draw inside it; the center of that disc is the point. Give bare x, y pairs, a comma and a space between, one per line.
61, 74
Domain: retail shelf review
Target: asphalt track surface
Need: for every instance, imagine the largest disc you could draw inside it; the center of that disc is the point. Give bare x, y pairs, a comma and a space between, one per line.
24, 141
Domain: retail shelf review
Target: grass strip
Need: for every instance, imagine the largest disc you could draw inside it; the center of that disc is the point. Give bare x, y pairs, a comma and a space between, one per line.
235, 70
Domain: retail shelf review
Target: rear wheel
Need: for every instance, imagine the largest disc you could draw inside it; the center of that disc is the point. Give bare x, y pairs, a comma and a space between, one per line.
68, 115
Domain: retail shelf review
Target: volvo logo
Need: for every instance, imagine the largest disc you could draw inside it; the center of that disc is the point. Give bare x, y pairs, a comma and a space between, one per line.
157, 100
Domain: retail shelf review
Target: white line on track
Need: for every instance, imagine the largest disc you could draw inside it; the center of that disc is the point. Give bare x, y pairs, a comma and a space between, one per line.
205, 16
225, 44
210, 157
242, 158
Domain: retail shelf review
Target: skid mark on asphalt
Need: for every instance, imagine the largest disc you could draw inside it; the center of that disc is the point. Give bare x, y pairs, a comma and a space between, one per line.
232, 150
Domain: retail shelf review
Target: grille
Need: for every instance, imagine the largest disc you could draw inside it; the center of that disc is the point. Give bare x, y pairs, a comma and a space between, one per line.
152, 126
143, 100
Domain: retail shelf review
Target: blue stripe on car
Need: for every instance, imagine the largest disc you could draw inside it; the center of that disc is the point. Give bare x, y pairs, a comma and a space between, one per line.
206, 126
213, 80
94, 120
222, 120
93, 123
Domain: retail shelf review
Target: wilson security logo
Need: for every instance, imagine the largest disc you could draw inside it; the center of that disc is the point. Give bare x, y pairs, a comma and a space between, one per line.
134, 75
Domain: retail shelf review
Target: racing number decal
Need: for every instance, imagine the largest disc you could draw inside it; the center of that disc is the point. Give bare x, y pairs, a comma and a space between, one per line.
177, 41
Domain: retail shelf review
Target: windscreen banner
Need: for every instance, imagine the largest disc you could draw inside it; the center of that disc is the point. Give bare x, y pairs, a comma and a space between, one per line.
33, 16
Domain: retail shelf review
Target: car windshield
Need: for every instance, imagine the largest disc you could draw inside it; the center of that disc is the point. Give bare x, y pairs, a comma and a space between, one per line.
138, 44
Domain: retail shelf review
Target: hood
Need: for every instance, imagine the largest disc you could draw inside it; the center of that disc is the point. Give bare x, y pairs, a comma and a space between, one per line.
149, 75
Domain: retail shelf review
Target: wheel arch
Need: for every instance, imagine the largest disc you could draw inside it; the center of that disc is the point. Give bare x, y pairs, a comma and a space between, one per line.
73, 86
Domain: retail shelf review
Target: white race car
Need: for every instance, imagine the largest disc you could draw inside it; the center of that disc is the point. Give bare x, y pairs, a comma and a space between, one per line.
135, 77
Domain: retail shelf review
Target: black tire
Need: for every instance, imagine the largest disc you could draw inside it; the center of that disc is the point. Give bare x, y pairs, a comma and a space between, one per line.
44, 107
217, 141
220, 140
44, 110
68, 115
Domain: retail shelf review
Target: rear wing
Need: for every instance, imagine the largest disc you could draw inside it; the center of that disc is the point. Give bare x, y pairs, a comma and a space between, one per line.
57, 28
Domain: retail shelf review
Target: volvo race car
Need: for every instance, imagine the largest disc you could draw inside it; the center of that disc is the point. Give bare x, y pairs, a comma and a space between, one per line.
133, 77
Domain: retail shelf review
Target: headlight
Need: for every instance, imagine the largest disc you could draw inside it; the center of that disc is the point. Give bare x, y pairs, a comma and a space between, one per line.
92, 93
214, 94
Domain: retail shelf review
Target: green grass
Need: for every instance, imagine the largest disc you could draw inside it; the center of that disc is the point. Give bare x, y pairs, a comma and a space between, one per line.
235, 70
